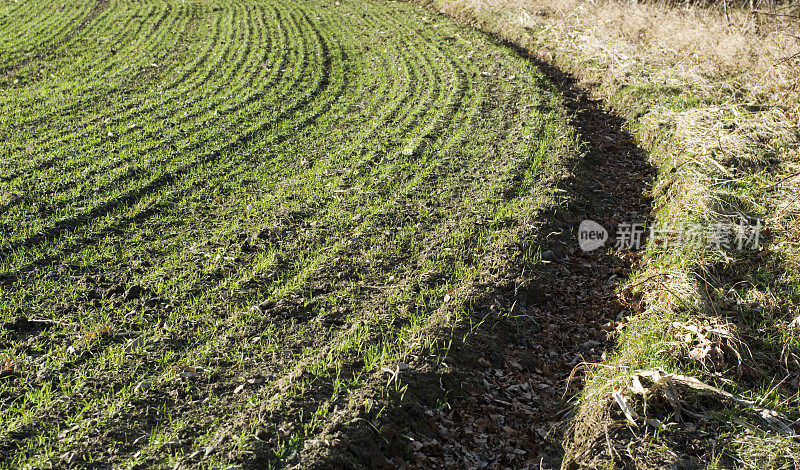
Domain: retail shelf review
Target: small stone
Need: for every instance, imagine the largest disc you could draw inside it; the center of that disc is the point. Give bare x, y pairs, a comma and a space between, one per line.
266, 305
142, 386
653, 423
192, 372
312, 444
173, 443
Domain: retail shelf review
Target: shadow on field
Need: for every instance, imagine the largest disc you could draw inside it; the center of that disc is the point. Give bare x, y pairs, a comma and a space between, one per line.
503, 397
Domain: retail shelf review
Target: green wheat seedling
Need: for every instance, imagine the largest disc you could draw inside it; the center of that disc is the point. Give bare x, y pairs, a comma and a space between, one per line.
231, 218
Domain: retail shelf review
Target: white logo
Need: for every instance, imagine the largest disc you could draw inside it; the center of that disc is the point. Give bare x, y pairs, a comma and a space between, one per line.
591, 235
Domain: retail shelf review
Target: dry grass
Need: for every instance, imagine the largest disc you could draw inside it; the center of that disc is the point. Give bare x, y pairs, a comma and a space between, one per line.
737, 57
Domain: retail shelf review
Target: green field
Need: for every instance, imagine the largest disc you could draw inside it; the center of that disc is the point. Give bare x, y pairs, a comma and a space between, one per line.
222, 221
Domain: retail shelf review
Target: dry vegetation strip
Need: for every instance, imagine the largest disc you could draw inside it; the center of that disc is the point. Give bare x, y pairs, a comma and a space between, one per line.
713, 94
226, 227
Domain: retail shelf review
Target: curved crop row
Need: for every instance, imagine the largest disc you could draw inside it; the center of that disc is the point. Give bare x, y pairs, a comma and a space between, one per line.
225, 211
